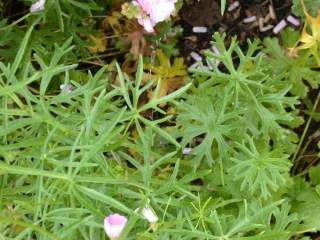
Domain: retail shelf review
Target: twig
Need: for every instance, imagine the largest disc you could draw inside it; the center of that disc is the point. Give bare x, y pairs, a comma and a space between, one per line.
294, 159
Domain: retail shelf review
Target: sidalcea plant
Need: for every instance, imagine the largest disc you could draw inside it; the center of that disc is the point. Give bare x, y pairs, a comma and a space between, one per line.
63, 151
102, 144
239, 114
243, 99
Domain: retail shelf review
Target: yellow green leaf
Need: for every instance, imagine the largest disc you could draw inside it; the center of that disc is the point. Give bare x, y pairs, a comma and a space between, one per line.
171, 75
99, 43
310, 35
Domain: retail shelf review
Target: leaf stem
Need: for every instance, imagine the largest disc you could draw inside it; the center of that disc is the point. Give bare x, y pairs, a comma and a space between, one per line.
294, 159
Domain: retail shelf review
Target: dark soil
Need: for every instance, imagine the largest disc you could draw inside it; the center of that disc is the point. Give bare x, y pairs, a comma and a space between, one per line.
207, 13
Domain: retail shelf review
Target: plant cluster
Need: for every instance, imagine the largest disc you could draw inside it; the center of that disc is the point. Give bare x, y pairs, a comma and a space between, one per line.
158, 154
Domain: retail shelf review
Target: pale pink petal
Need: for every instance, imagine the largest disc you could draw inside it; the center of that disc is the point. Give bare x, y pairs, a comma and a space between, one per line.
161, 11
38, 6
154, 11
146, 5
149, 214
114, 224
146, 23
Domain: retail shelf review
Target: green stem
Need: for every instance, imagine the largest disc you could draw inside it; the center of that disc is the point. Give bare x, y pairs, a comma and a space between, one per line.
294, 159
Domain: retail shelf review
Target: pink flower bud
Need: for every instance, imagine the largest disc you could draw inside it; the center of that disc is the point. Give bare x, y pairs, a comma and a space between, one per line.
114, 225
37, 6
67, 88
149, 214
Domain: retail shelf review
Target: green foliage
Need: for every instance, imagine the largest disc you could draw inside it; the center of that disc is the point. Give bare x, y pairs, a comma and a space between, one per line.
305, 201
223, 6
205, 114
243, 99
289, 38
104, 142
293, 70
167, 39
67, 145
314, 173
311, 5
261, 173
59, 21
241, 117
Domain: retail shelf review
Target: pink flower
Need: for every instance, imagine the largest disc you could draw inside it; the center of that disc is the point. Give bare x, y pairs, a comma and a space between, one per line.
153, 12
114, 224
37, 6
146, 22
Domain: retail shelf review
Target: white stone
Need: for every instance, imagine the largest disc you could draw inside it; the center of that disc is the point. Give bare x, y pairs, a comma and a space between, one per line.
233, 6
186, 151
294, 21
250, 19
280, 26
199, 29
196, 56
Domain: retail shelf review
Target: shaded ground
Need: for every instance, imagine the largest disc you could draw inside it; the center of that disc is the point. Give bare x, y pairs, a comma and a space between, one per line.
267, 14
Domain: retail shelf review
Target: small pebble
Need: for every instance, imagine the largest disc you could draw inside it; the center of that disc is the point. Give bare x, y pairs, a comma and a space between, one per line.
250, 19
186, 151
212, 63
294, 21
259, 54
315, 135
280, 26
215, 50
233, 6
194, 66
196, 56
199, 29
209, 64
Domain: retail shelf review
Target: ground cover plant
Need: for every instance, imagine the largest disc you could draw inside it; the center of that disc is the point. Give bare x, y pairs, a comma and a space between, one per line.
111, 128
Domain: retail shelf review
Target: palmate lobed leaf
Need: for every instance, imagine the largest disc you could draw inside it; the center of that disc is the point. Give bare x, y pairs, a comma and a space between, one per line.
246, 98
204, 115
310, 5
305, 202
310, 35
260, 171
172, 76
296, 71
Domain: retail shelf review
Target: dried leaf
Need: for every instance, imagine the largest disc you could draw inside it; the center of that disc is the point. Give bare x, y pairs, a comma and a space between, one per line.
172, 76
137, 42
310, 39
113, 22
99, 43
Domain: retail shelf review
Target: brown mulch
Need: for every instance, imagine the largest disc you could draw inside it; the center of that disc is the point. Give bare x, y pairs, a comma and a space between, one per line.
207, 13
